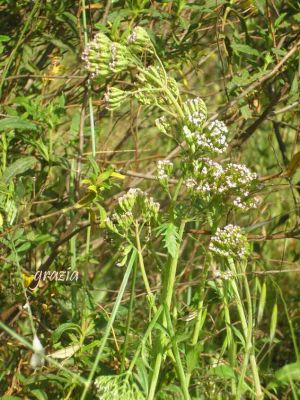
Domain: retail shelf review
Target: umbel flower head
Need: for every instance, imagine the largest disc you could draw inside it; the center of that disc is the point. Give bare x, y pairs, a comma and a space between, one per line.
229, 242
209, 180
209, 140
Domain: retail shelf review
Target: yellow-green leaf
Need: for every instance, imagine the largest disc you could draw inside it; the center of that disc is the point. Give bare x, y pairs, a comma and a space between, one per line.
117, 175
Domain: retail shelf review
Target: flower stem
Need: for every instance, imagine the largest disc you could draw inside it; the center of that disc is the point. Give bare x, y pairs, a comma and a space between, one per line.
166, 298
199, 320
247, 330
143, 270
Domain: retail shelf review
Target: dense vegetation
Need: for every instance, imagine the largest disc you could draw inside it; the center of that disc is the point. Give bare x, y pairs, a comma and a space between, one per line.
151, 150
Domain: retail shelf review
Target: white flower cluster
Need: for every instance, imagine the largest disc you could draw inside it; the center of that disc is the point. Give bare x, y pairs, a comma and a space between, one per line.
210, 180
229, 242
164, 170
114, 387
209, 140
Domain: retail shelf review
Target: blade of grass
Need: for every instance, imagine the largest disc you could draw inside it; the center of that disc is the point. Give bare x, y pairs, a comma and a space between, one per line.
110, 323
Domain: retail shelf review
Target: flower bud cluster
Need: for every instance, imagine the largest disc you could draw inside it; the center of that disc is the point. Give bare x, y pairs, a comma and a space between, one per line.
163, 125
229, 242
139, 40
103, 57
134, 205
114, 97
210, 180
196, 111
211, 139
164, 170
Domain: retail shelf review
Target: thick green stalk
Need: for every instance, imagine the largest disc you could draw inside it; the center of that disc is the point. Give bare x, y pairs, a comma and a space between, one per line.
166, 298
179, 367
199, 322
247, 330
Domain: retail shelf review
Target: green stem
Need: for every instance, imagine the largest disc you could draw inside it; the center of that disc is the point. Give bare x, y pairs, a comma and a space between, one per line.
129, 318
166, 91
143, 270
91, 112
247, 330
290, 322
145, 338
199, 320
166, 298
179, 367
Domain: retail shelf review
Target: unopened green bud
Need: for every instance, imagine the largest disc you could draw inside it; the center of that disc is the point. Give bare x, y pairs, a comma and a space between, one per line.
196, 111
139, 40
163, 125
114, 97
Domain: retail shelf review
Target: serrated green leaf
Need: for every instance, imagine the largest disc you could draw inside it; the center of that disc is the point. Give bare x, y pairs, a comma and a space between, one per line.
170, 233
192, 357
